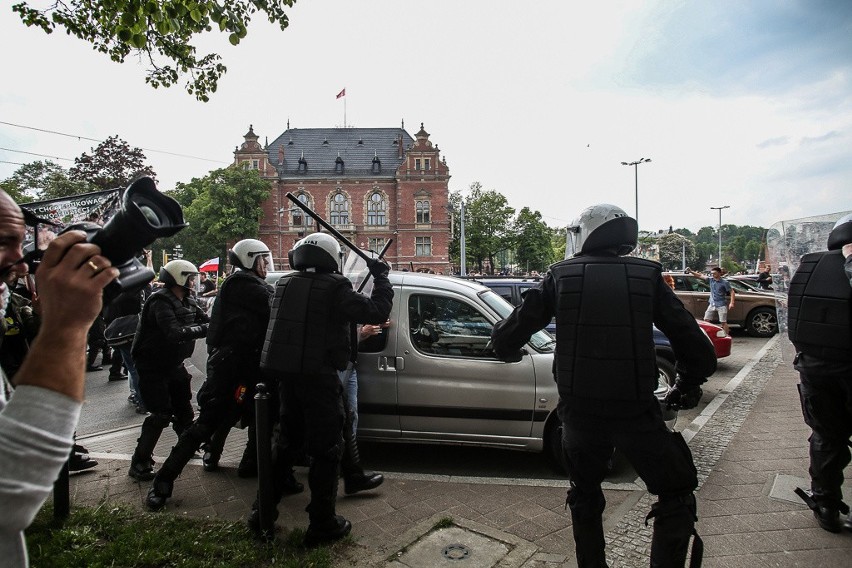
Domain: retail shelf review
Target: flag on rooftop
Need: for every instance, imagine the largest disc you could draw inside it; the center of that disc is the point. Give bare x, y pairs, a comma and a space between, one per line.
341, 93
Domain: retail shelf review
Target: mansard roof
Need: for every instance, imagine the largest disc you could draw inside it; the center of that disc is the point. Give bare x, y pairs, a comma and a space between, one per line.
320, 147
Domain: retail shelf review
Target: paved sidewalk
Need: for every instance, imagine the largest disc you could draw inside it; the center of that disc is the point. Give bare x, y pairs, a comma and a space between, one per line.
750, 446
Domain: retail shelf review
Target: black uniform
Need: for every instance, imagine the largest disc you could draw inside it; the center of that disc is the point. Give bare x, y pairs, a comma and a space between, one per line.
168, 328
308, 341
234, 341
604, 364
820, 327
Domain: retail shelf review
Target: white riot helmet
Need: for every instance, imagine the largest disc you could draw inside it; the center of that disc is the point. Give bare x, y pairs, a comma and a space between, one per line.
245, 253
602, 227
178, 273
318, 250
841, 234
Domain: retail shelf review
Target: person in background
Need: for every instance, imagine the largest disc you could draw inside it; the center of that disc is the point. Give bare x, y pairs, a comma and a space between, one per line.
606, 305
718, 302
667, 278
355, 478
170, 323
819, 324
38, 416
764, 279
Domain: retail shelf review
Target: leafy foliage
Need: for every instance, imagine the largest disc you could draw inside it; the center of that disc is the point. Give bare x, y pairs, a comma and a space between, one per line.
112, 164
673, 247
41, 180
533, 249
160, 30
222, 207
488, 220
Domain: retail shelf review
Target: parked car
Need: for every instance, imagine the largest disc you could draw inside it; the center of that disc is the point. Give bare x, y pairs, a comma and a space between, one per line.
512, 290
753, 310
721, 340
432, 377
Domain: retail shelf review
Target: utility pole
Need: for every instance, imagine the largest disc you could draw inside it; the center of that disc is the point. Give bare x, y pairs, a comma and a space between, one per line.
720, 230
636, 176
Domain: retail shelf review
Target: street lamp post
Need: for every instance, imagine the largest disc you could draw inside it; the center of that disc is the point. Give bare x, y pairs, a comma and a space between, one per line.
636, 177
720, 231
462, 247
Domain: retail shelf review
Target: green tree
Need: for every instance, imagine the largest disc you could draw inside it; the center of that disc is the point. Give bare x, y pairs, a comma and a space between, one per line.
533, 247
221, 208
558, 238
672, 247
42, 180
112, 164
487, 225
161, 32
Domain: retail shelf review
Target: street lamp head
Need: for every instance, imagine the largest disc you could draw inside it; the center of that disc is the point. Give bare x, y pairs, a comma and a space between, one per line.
624, 164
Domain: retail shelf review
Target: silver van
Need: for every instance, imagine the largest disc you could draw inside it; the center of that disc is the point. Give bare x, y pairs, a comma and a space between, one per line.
432, 377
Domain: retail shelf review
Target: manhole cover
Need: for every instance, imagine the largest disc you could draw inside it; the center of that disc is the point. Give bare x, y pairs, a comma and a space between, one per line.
455, 552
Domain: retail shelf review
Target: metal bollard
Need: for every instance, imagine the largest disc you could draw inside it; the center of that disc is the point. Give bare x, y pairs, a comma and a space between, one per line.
265, 481
62, 494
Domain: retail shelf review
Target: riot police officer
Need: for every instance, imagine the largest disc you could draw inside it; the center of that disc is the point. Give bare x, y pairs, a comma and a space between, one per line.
606, 305
169, 324
308, 341
234, 341
820, 327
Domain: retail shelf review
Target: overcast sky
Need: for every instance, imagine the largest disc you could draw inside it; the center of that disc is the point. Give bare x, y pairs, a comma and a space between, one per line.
746, 104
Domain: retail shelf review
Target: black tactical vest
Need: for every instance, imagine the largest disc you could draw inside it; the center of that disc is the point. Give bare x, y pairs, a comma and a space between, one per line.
151, 348
819, 320
304, 334
604, 327
230, 323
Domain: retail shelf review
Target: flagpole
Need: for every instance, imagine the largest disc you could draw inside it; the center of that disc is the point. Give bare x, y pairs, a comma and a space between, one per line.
344, 111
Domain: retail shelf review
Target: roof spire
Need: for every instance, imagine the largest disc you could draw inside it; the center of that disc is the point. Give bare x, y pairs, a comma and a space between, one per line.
403, 124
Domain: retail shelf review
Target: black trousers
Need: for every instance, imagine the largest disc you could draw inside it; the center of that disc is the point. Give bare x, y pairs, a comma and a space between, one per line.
311, 419
660, 457
827, 409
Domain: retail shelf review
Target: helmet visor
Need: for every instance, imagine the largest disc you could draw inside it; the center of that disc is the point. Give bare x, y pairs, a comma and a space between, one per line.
265, 255
573, 242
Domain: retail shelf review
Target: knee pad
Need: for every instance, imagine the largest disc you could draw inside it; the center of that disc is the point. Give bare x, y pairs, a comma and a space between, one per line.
585, 504
677, 508
159, 419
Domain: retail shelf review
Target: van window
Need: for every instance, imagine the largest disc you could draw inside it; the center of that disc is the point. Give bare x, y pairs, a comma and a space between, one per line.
504, 291
439, 325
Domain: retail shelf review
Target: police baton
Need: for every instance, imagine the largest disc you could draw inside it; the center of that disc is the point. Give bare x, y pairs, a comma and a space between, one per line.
328, 227
381, 254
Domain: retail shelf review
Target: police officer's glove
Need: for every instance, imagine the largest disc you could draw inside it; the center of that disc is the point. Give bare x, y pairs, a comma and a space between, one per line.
378, 268
683, 396
199, 330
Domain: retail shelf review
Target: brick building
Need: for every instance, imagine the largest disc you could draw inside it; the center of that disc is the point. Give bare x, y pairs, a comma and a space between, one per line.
371, 184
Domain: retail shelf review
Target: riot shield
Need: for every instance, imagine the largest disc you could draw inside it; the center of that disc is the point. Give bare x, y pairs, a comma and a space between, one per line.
786, 243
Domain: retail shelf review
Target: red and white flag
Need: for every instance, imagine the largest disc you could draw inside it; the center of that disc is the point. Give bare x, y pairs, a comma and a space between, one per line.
211, 265
341, 93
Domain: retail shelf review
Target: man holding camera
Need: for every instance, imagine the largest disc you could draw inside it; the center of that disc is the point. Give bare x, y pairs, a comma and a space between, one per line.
37, 422
170, 322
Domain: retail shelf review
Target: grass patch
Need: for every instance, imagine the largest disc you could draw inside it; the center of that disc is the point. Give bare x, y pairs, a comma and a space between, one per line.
443, 523
117, 536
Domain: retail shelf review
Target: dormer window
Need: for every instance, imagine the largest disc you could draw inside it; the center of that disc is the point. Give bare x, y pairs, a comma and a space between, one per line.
377, 165
303, 164
338, 165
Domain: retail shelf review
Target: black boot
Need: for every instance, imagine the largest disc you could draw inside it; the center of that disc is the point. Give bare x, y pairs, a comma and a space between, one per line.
589, 543
160, 491
355, 479
329, 530
90, 361
674, 525
115, 373
142, 462
828, 517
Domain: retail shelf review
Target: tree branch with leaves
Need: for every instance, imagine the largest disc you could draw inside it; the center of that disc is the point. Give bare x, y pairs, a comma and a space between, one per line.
159, 30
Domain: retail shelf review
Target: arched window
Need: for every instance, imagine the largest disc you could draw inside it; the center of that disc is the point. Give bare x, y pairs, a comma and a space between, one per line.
299, 218
423, 209
377, 209
339, 209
